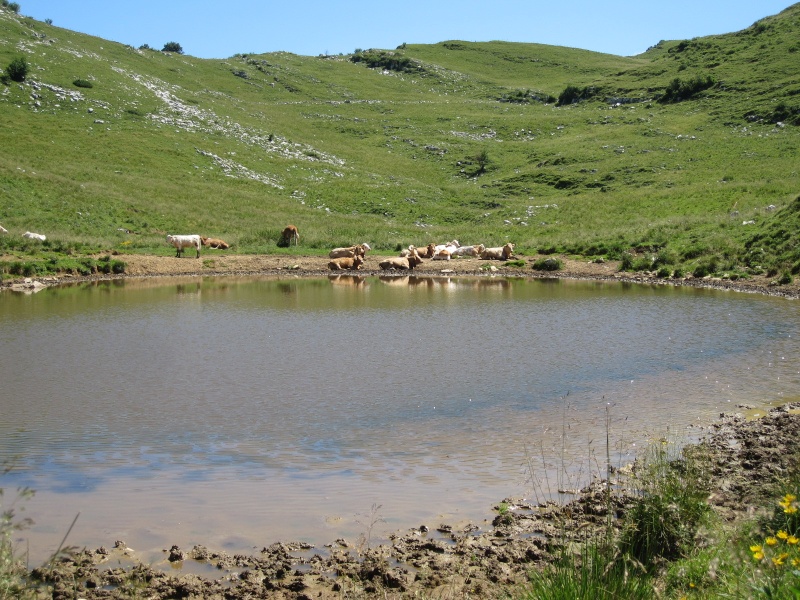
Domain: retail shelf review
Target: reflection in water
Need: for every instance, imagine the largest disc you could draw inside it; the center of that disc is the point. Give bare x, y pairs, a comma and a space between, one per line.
226, 411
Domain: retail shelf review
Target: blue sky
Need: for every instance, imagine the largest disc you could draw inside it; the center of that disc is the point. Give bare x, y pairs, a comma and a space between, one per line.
221, 29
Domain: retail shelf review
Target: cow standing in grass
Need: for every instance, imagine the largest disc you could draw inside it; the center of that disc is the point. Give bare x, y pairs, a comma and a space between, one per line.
180, 242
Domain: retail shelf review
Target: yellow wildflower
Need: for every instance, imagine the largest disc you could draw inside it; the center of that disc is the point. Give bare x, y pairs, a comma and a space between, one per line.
782, 535
792, 540
758, 555
755, 548
796, 562
790, 510
789, 498
779, 560
771, 541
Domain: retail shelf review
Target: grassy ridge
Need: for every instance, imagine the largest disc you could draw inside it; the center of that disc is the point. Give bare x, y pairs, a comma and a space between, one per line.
238, 148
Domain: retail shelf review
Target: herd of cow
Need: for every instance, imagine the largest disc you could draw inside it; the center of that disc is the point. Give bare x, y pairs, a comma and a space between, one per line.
352, 257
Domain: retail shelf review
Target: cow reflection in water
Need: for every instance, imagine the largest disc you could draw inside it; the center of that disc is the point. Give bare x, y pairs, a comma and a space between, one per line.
348, 280
396, 280
449, 284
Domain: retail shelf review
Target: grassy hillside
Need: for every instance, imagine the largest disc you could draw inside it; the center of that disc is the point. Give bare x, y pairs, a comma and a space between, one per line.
662, 155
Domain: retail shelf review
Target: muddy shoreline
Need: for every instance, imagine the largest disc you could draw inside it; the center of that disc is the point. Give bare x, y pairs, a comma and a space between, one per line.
219, 264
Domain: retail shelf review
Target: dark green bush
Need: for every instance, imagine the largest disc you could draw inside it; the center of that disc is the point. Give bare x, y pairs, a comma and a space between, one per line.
708, 266
82, 83
172, 47
548, 264
678, 89
665, 257
573, 94
386, 60
643, 263
626, 262
786, 114
527, 97
17, 69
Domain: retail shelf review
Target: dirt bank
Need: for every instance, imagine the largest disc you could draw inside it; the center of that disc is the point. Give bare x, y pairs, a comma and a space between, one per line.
216, 262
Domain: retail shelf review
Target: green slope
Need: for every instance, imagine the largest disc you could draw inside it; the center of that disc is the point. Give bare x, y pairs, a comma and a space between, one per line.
237, 148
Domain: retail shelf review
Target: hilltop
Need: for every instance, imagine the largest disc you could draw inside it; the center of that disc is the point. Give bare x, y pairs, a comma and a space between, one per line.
679, 160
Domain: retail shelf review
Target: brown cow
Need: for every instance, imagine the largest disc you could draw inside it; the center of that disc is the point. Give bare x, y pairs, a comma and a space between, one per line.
503, 253
214, 243
288, 234
427, 251
352, 263
401, 262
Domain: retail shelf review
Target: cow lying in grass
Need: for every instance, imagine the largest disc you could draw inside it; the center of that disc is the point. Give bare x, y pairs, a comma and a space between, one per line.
350, 251
501, 253
184, 241
351, 263
425, 252
214, 243
469, 250
403, 263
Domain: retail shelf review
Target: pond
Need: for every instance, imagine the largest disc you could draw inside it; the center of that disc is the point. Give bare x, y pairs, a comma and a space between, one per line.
236, 412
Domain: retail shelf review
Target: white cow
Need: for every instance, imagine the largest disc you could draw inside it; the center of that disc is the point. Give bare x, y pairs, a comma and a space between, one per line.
34, 236
350, 251
184, 241
444, 251
469, 250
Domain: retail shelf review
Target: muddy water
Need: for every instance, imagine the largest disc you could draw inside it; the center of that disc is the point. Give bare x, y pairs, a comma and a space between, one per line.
238, 412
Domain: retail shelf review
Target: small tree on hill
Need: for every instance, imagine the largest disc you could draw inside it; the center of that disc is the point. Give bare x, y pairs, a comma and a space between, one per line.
17, 70
482, 160
12, 6
172, 47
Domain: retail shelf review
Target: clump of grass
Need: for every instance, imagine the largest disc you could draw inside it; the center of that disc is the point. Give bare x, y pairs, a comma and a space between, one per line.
590, 574
662, 523
515, 263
